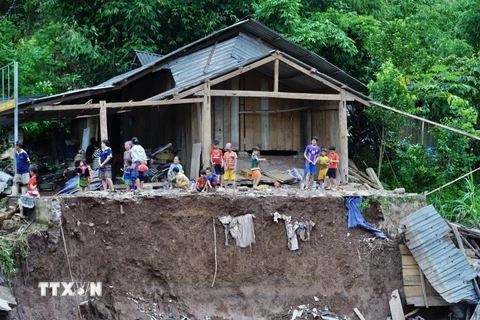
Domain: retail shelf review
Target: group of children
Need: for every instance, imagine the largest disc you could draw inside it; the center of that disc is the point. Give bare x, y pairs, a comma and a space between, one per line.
328, 166
223, 170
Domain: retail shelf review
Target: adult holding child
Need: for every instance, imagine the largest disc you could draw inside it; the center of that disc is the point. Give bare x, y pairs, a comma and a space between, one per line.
139, 167
105, 166
28, 199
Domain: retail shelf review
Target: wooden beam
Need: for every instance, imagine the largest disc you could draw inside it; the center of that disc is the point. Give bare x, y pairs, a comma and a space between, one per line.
425, 120
277, 95
103, 121
276, 71
272, 111
205, 70
227, 76
424, 290
118, 105
312, 73
359, 314
206, 125
235, 116
343, 135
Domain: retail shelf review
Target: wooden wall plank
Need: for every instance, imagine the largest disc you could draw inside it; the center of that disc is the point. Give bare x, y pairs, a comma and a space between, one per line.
227, 120
265, 128
218, 108
235, 117
274, 127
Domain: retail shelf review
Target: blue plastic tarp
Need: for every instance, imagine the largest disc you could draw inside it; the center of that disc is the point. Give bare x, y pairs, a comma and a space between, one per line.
355, 217
71, 186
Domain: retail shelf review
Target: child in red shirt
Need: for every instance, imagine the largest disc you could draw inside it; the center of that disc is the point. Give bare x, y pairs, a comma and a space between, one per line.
333, 160
216, 158
201, 183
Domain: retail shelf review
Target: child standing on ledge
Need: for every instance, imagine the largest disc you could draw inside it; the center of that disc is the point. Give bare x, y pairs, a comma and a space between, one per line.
83, 173
230, 163
333, 160
311, 156
255, 167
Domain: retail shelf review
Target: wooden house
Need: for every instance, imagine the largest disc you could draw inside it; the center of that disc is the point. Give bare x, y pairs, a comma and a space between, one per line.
245, 84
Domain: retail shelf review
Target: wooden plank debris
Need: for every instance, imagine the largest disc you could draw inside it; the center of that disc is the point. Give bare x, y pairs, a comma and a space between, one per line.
280, 176
412, 312
359, 314
412, 283
396, 308
371, 173
195, 163
424, 290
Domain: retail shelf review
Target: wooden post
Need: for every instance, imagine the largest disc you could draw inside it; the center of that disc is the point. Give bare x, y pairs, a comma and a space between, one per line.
275, 75
235, 117
265, 117
206, 125
343, 135
308, 127
103, 121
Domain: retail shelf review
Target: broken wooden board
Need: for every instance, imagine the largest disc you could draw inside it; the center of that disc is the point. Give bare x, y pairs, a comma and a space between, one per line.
241, 180
6, 294
280, 176
412, 283
396, 308
359, 314
195, 164
374, 177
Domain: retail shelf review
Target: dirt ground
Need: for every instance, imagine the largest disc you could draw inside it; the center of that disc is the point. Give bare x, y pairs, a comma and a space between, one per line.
159, 258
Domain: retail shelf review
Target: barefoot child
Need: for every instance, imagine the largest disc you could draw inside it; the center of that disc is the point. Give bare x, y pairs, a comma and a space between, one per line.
311, 154
211, 179
333, 160
127, 175
83, 173
201, 183
230, 164
323, 163
255, 168
216, 158
182, 180
170, 175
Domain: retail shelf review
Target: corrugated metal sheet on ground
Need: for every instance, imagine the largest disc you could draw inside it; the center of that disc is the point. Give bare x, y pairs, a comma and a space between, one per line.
444, 265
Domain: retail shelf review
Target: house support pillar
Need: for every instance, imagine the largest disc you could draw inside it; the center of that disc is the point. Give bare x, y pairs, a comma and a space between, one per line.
342, 149
103, 121
206, 125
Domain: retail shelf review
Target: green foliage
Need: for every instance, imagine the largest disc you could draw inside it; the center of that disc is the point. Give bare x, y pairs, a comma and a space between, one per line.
9, 249
465, 209
34, 131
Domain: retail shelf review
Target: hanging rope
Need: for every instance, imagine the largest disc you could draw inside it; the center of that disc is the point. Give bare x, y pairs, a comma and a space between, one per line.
8, 11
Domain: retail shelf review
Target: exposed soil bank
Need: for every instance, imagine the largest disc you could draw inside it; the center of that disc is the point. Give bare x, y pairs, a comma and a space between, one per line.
158, 258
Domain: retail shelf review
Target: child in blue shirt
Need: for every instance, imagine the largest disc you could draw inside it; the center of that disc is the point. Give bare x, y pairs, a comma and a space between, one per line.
127, 174
211, 180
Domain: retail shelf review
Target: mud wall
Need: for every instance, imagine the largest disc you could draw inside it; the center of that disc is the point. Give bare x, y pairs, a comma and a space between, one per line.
158, 257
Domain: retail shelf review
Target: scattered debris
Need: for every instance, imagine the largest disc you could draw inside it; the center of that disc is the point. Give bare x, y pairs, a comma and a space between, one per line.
280, 176
241, 229
396, 308
443, 264
355, 217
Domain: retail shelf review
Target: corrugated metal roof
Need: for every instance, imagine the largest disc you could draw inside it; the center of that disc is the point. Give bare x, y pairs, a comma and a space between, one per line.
146, 57
270, 39
444, 265
226, 55
283, 44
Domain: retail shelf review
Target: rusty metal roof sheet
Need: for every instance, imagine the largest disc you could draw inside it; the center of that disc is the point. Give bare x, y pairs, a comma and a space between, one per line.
444, 265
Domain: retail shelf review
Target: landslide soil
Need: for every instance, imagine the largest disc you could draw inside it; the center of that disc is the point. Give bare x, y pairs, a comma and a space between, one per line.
158, 257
